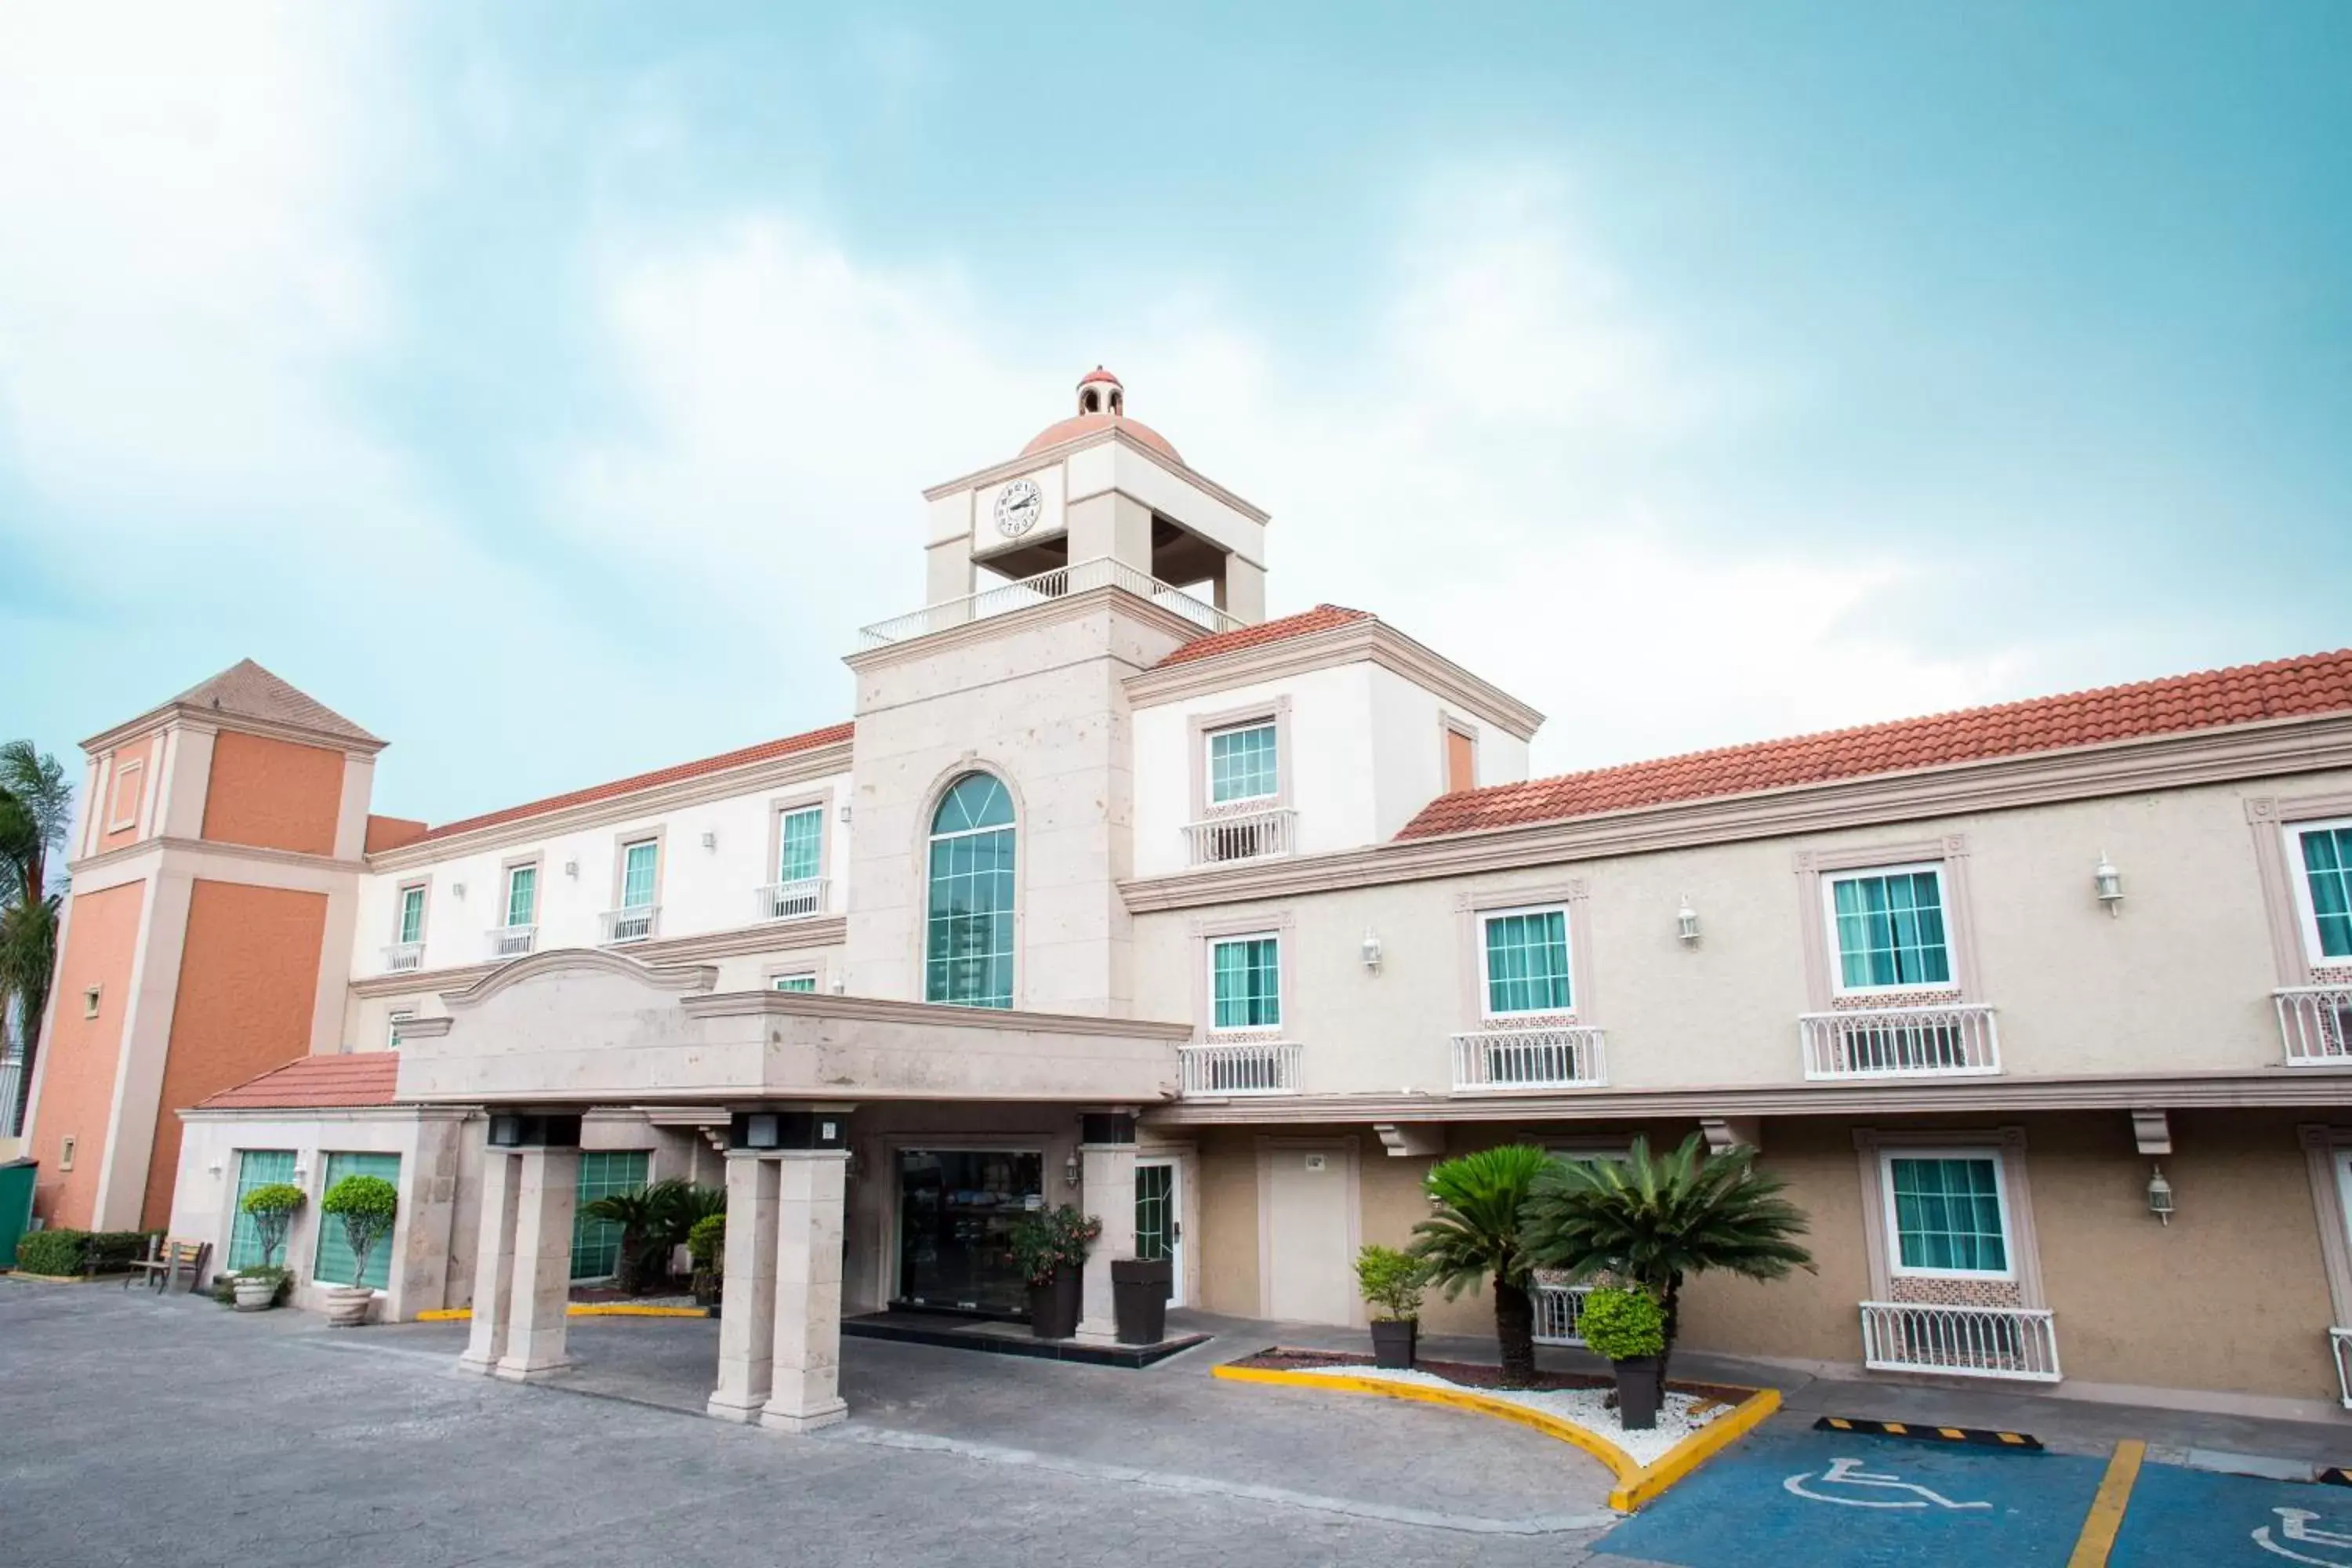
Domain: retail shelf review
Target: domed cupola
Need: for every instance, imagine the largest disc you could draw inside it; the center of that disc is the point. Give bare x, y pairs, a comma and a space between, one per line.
1100, 393
1102, 404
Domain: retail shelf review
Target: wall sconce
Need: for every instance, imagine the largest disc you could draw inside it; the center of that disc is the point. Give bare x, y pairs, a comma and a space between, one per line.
2109, 882
458, 888
854, 1167
1686, 924
2159, 1194
845, 814
571, 869
711, 841
302, 1172
213, 1167
1071, 1172
1372, 950
840, 985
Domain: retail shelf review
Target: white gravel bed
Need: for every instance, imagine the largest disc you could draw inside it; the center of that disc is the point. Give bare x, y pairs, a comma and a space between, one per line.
1581, 1406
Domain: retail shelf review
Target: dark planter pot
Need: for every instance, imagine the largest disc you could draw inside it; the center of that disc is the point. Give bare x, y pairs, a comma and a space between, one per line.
1393, 1343
1054, 1306
1638, 1391
1139, 1293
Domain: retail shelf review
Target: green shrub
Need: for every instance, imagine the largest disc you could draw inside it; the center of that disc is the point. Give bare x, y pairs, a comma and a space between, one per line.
706, 1244
1050, 1240
272, 1207
1623, 1325
54, 1251
367, 1205
1392, 1282
114, 1250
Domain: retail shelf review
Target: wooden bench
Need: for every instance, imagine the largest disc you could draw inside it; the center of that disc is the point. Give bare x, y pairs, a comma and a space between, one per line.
164, 1260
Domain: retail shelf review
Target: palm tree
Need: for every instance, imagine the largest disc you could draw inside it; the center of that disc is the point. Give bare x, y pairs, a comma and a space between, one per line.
35, 810
1656, 1220
638, 1211
1474, 1236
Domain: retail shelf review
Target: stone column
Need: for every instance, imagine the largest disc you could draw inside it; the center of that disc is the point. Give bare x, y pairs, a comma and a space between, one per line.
493, 1262
547, 1195
747, 1305
805, 1382
1108, 1174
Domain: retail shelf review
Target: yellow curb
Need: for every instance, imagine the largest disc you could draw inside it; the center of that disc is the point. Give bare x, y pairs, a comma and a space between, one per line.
577, 1309
62, 1279
2107, 1516
1636, 1483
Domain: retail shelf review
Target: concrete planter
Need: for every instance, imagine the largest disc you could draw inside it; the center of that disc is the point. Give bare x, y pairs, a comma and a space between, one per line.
348, 1305
1054, 1307
1639, 1389
255, 1295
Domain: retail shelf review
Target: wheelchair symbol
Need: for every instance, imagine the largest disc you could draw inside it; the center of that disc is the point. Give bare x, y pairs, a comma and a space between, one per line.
1849, 1473
2295, 1524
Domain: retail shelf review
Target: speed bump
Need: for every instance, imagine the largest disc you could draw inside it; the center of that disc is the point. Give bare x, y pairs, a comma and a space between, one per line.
1925, 1433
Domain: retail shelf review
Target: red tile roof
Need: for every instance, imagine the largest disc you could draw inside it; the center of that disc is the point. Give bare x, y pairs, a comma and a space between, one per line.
363, 1077
2285, 689
765, 750
1321, 618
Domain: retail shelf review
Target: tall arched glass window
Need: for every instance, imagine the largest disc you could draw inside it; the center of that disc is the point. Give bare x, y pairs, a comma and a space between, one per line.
968, 926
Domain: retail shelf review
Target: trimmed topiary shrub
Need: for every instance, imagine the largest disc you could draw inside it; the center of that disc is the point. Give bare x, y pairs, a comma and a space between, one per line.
57, 1251
1622, 1324
272, 1207
367, 1206
1391, 1283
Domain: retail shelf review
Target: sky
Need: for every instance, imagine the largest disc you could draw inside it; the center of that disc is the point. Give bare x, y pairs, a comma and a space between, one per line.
549, 387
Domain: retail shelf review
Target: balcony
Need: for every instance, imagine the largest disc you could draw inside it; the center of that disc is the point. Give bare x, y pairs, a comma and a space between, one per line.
1231, 1070
1566, 1055
634, 923
1079, 577
792, 900
1559, 1312
1957, 1040
513, 941
401, 956
2314, 1023
2018, 1342
1249, 836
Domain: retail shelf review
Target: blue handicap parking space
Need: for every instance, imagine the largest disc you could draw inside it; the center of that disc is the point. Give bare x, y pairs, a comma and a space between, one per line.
2179, 1516
1835, 1500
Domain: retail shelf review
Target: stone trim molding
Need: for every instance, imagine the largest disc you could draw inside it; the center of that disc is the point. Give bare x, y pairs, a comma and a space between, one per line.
1871, 1143
1473, 904
88, 864
1816, 868
2272, 818
1198, 727
328, 1113
564, 959
881, 1010
2321, 1145
1369, 639
1281, 925
212, 721
1069, 607
1060, 452
775, 936
2123, 767
783, 806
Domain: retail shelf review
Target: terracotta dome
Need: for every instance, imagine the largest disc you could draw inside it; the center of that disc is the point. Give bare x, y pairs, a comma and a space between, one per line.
1079, 425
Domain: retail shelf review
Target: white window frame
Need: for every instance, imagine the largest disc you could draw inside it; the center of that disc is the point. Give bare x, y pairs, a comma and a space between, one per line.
424, 891
621, 899
1281, 1002
506, 912
392, 1027
1992, 1155
1836, 954
783, 818
2306, 913
1567, 935
117, 819
1270, 723
776, 982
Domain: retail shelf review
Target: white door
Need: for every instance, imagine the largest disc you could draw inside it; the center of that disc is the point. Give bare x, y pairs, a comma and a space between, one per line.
1159, 1219
1309, 1217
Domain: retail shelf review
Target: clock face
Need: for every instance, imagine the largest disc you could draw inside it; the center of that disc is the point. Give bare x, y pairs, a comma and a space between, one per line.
1018, 507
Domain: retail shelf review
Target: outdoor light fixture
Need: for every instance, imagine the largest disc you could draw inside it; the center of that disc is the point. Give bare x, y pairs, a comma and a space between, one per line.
1687, 924
1070, 1171
711, 841
572, 868
1372, 950
2159, 1194
2110, 883
458, 888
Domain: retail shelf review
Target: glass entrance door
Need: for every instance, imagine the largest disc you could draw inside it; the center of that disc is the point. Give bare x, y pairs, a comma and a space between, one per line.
1159, 1221
956, 1210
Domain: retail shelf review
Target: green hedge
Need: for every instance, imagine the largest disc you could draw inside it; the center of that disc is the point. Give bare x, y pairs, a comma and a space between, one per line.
63, 1250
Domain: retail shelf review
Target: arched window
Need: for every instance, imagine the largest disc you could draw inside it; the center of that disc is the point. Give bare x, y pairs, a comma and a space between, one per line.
968, 924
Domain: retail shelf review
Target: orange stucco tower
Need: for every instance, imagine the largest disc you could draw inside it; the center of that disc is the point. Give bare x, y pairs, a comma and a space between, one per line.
207, 933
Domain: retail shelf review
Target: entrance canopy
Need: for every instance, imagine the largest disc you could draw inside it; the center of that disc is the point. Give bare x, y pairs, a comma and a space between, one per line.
587, 1026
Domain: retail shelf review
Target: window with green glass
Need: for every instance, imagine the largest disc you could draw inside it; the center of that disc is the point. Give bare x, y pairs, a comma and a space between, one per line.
637, 863
1947, 1216
255, 1168
1526, 962
596, 1243
1245, 975
412, 914
2327, 873
803, 840
1890, 929
333, 1266
1242, 765
968, 922
522, 895
796, 982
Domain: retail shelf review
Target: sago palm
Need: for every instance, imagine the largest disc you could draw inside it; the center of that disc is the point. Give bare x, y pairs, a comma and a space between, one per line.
1656, 1220
1475, 1237
640, 1214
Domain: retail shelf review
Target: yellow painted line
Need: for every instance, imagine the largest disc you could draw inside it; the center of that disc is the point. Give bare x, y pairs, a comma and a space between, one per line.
1954, 1433
2106, 1515
577, 1309
1636, 1483
1896, 1427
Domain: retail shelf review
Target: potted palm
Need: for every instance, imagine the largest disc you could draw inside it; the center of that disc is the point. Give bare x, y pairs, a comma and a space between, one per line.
271, 1207
639, 1211
1475, 1237
1050, 1248
1655, 1220
1627, 1328
1392, 1283
367, 1205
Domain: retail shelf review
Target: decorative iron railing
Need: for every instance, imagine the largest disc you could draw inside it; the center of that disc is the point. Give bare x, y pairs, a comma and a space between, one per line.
1961, 1341
1247, 835
403, 955
2314, 1023
1953, 1039
1559, 1309
1567, 1056
1102, 572
792, 900
1255, 1066
512, 941
633, 924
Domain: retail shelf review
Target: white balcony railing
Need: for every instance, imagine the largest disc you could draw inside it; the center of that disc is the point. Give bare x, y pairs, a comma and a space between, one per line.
1961, 1341
512, 941
1102, 572
792, 900
403, 955
1256, 1067
1568, 1056
1559, 1312
2314, 1023
2340, 1341
1250, 836
1949, 1041
633, 924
